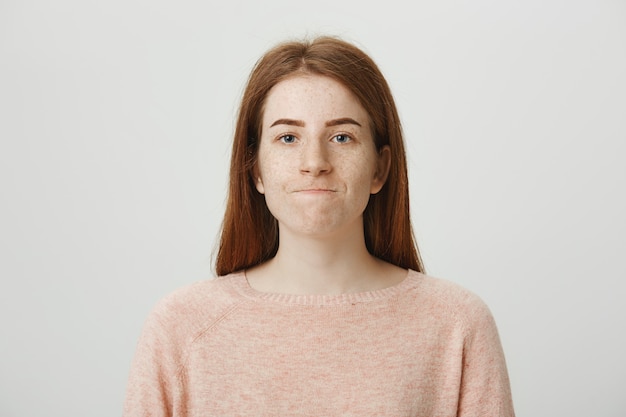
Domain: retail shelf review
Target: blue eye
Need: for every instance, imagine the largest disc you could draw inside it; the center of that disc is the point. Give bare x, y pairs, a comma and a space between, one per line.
342, 138
288, 139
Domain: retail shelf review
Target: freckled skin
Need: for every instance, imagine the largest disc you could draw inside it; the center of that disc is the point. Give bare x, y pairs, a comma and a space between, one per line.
317, 178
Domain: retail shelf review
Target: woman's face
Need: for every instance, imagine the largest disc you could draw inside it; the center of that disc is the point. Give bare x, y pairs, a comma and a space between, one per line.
317, 163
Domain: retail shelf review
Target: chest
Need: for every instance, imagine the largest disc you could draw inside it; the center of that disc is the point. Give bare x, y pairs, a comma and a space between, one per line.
331, 363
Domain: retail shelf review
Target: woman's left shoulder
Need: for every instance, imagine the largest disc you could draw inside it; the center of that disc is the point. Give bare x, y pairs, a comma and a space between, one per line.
444, 295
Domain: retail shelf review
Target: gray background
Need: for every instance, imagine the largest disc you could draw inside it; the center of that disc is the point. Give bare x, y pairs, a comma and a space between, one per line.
115, 126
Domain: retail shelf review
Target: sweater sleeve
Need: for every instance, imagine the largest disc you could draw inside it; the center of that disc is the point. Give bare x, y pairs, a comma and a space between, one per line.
153, 383
485, 389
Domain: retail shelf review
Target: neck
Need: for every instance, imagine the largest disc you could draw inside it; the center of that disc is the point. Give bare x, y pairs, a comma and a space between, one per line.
323, 265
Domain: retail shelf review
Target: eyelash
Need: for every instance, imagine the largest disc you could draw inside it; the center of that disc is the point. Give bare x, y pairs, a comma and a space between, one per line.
293, 138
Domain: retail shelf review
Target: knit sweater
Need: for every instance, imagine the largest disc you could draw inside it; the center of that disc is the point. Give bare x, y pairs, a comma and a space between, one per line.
424, 347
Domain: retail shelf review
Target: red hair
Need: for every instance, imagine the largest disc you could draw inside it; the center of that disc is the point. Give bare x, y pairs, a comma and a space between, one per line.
249, 231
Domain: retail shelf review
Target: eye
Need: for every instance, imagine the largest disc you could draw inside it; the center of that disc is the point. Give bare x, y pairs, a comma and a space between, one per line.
287, 139
342, 138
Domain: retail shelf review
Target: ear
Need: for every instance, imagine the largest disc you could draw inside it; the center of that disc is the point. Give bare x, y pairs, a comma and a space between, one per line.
256, 178
383, 164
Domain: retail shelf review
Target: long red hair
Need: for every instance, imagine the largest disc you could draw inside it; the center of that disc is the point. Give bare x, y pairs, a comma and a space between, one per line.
249, 231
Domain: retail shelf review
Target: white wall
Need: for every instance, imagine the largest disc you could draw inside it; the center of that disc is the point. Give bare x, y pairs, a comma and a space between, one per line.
115, 122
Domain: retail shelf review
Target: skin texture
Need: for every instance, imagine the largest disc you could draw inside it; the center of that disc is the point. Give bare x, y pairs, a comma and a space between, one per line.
317, 178
317, 166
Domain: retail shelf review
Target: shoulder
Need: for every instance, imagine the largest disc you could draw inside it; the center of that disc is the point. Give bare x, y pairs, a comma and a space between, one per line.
192, 309
449, 300
443, 293
210, 294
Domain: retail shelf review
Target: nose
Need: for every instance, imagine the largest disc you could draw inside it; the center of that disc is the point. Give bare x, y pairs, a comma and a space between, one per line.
314, 158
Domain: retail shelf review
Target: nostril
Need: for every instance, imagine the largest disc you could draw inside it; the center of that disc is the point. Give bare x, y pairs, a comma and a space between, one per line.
314, 160
315, 166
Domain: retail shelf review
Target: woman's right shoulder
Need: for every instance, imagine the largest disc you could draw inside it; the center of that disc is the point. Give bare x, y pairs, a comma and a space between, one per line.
196, 306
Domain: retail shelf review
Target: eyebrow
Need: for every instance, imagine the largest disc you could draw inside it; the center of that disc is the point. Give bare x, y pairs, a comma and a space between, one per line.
288, 122
342, 121
300, 123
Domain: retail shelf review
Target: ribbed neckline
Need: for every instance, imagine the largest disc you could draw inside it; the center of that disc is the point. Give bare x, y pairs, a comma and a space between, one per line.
241, 284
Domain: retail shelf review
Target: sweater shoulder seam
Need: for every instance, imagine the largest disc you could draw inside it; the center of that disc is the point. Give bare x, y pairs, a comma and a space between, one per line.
202, 332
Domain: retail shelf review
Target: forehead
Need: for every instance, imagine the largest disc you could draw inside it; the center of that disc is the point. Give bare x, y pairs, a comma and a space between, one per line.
313, 98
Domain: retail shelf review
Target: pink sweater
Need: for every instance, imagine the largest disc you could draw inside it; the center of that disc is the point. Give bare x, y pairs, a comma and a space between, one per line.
424, 347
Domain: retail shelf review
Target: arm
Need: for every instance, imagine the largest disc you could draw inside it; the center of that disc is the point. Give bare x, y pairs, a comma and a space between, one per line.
153, 385
485, 389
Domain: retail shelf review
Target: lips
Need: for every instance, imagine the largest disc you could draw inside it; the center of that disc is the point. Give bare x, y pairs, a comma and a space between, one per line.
314, 190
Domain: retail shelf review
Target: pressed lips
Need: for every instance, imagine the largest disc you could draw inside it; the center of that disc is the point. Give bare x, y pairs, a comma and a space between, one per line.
314, 190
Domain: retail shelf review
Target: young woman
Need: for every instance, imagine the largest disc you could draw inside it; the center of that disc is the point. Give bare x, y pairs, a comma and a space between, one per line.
321, 306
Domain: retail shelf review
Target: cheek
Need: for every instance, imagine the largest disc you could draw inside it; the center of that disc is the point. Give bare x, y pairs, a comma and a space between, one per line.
269, 174
361, 169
